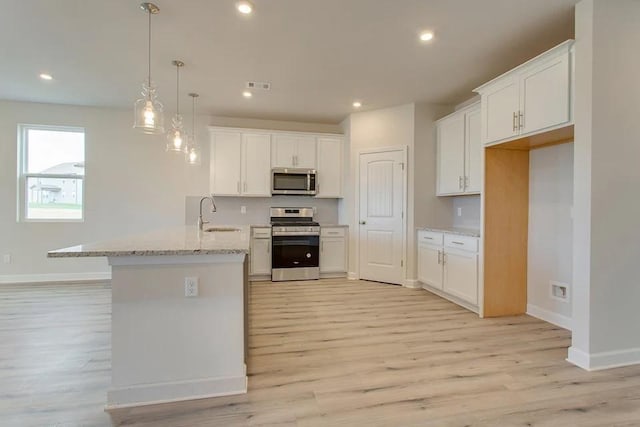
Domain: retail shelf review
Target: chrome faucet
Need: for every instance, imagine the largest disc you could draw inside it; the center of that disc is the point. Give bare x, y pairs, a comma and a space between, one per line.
201, 222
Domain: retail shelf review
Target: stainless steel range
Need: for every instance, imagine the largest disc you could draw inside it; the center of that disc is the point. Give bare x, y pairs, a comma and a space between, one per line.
295, 244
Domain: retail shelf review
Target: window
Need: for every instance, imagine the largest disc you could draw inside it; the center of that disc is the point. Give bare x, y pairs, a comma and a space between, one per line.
51, 170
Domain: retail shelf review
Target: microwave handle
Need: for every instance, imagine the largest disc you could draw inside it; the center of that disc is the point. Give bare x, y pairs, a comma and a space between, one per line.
308, 181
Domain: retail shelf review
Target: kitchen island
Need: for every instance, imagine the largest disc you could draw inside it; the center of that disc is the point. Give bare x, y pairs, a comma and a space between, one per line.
179, 313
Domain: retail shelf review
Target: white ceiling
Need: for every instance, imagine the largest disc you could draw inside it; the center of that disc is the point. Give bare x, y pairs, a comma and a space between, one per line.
319, 55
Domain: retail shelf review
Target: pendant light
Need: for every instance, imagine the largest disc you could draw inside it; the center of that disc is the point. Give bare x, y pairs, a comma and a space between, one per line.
194, 153
176, 138
148, 111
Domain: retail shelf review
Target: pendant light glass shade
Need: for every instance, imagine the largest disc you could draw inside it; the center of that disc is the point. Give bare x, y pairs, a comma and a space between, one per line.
194, 152
148, 111
176, 137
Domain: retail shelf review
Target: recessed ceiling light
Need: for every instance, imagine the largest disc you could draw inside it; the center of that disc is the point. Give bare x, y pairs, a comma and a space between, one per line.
45, 76
244, 7
247, 94
357, 104
426, 36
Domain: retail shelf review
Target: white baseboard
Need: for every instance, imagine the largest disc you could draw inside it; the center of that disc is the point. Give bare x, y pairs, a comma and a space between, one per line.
54, 277
603, 360
412, 283
151, 394
549, 316
352, 276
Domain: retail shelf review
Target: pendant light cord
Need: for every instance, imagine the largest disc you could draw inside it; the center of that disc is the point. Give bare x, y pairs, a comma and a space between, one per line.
149, 50
194, 120
177, 90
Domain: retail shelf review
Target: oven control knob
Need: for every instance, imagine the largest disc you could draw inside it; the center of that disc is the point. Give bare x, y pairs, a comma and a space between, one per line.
308, 255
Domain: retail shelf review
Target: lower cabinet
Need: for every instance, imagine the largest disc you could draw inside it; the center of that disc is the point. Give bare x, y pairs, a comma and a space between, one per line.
449, 263
333, 250
260, 252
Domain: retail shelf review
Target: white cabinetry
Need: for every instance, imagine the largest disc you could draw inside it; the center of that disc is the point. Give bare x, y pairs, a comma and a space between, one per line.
239, 164
459, 151
532, 98
260, 252
333, 250
448, 265
293, 151
330, 166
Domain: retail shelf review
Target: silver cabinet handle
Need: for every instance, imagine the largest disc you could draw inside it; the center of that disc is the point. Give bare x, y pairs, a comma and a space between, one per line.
515, 116
363, 222
444, 258
245, 186
439, 255
520, 120
466, 182
457, 243
460, 182
428, 238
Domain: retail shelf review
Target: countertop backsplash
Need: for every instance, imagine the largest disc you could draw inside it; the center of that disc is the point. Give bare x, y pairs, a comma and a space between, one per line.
257, 209
470, 209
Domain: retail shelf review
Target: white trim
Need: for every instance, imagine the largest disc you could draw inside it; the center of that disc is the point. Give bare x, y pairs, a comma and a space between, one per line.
603, 360
352, 275
549, 316
412, 284
175, 391
54, 277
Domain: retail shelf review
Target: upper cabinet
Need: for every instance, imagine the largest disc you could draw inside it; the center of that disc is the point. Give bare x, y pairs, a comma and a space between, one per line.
459, 150
293, 151
241, 160
330, 165
239, 164
533, 98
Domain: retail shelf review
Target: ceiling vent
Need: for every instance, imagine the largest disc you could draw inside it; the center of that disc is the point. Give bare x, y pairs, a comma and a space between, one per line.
259, 85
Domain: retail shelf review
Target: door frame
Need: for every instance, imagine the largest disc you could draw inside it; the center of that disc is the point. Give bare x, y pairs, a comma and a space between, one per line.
404, 150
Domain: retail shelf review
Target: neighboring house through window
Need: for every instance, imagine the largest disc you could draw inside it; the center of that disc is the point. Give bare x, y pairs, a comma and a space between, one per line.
51, 169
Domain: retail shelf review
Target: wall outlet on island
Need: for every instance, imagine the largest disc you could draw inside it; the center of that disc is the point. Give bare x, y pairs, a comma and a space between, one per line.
243, 209
6, 258
459, 211
190, 286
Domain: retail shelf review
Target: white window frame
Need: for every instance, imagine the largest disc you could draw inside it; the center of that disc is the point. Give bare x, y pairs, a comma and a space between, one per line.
23, 175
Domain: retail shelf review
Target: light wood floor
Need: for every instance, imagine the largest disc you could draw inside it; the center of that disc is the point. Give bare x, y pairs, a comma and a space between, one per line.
328, 353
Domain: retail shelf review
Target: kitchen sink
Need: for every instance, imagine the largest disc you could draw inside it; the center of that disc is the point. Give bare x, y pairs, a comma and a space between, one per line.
212, 229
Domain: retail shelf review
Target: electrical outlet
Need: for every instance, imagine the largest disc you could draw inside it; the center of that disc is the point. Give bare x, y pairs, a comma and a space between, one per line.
6, 258
243, 209
459, 211
190, 286
559, 291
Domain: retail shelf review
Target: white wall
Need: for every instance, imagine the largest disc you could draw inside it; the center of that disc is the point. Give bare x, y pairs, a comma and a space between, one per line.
550, 231
606, 180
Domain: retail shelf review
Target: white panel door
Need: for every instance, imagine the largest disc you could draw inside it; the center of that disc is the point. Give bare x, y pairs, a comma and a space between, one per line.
260, 256
501, 104
430, 270
333, 255
473, 151
283, 151
451, 155
461, 274
381, 242
329, 167
305, 156
225, 163
256, 166
545, 94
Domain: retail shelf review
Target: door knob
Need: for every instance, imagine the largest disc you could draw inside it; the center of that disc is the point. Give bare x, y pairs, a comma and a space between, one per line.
363, 222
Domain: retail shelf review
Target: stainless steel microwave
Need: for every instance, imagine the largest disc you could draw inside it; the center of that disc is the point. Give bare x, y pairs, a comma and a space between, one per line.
293, 181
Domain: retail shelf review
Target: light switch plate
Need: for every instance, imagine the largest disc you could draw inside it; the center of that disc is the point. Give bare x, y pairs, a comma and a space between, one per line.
243, 209
6, 258
190, 286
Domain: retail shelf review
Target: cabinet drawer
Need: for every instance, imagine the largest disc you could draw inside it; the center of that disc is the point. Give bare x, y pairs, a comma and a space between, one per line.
261, 233
430, 237
465, 243
332, 232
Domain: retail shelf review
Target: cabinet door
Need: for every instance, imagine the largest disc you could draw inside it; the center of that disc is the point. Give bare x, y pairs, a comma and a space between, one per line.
461, 275
333, 255
429, 265
545, 95
451, 155
330, 166
283, 151
305, 156
500, 103
473, 151
256, 167
260, 256
225, 163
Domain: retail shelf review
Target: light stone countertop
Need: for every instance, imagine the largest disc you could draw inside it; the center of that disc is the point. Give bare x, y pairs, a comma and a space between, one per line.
186, 240
333, 225
471, 232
